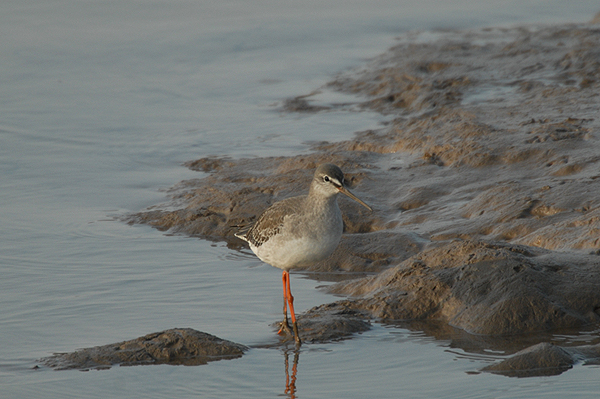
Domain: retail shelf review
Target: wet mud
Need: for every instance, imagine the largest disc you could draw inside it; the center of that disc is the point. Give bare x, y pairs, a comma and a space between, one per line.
485, 186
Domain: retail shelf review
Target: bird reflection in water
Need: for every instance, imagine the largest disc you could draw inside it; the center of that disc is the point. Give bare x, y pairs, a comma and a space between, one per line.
290, 380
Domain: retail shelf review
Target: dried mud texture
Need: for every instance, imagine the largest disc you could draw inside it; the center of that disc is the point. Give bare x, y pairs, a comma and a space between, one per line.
496, 134
179, 346
485, 184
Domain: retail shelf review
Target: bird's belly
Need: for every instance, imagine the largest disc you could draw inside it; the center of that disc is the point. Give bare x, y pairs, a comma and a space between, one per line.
293, 252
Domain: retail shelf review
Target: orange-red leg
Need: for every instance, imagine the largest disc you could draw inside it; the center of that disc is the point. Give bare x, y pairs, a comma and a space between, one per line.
288, 300
285, 278
285, 326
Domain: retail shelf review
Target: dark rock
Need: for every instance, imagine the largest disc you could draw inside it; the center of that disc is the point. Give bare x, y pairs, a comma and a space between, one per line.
178, 346
539, 360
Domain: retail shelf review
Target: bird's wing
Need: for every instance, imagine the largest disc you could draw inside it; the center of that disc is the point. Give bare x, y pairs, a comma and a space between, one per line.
270, 221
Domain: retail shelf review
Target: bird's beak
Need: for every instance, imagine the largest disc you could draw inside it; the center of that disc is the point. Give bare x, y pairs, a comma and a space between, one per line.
347, 192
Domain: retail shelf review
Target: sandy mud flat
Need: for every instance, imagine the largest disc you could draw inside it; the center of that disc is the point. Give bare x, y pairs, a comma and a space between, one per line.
485, 185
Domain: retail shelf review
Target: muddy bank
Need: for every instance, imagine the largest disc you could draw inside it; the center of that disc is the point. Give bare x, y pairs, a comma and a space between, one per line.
485, 185
498, 140
485, 288
179, 346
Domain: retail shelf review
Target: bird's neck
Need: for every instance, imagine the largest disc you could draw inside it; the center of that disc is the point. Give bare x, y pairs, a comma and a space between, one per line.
318, 200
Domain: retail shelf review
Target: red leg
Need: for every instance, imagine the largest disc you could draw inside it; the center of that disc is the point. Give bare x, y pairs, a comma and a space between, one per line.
285, 326
290, 300
285, 278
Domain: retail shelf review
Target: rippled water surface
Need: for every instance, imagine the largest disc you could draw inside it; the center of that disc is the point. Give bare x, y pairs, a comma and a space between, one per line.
103, 101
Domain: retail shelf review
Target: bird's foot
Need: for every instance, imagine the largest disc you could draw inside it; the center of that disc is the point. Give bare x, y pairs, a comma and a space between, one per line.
284, 328
291, 331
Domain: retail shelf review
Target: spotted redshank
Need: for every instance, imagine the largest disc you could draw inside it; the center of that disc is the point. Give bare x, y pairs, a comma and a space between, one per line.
300, 231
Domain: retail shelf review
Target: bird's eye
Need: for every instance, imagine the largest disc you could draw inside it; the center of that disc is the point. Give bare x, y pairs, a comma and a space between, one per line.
326, 178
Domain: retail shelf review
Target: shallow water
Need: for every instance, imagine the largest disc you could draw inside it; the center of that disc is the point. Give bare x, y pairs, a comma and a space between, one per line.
101, 104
